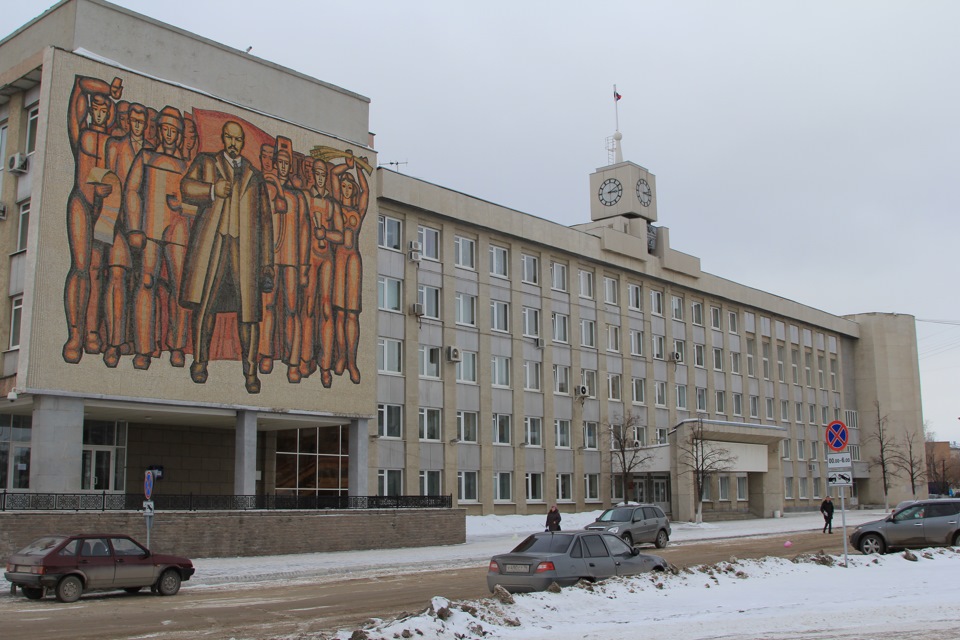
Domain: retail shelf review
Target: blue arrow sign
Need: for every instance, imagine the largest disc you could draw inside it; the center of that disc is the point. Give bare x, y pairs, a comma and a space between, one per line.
837, 435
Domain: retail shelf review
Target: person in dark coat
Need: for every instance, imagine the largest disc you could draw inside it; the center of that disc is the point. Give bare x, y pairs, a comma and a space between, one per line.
553, 519
826, 508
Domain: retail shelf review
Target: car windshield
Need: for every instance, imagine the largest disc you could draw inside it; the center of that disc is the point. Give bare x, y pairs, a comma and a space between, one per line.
616, 515
41, 546
544, 543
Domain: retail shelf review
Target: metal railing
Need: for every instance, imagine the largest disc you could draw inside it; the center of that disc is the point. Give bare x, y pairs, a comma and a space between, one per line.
12, 501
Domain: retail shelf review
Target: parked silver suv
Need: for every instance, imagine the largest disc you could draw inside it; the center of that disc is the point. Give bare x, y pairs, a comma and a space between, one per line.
635, 523
925, 523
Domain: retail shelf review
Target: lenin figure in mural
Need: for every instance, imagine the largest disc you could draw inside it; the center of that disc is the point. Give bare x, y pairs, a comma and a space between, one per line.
230, 253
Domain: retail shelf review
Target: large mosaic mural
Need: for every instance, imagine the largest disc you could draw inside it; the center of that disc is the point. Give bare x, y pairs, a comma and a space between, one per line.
197, 236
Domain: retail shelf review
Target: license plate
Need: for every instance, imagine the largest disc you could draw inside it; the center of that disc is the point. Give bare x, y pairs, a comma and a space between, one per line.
517, 568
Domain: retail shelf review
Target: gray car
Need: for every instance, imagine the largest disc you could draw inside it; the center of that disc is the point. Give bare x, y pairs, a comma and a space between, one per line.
635, 524
925, 523
565, 558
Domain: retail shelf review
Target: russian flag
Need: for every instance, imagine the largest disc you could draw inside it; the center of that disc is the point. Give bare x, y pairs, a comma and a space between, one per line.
616, 96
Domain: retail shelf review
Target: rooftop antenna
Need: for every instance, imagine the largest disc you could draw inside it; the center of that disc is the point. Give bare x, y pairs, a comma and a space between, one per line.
614, 152
395, 165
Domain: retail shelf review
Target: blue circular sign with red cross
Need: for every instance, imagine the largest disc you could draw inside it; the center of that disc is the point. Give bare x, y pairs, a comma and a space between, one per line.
837, 435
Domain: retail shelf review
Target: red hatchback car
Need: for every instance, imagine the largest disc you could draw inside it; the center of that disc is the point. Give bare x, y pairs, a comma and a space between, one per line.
72, 564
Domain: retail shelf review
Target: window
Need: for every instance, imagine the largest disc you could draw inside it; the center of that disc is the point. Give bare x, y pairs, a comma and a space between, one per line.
705, 495
16, 319
721, 402
467, 425
640, 435
534, 487
717, 359
715, 318
561, 379
33, 119
499, 262
588, 378
466, 309
696, 310
430, 483
658, 347
561, 328
681, 396
807, 368
636, 342
467, 486
723, 487
824, 414
533, 431
788, 488
765, 349
24, 226
785, 448
591, 482
639, 391
754, 406
733, 322
813, 449
656, 303
15, 437
464, 253
562, 433
798, 411
588, 333
635, 297
564, 487
833, 374
558, 276
531, 375
503, 486
699, 359
737, 404
613, 338
812, 413
429, 297
661, 437
769, 403
586, 284
821, 362
801, 450
429, 361
751, 368
677, 307
389, 355
701, 399
3, 159
781, 376
614, 392
467, 367
499, 315
802, 487
500, 371
388, 233
734, 362
390, 420
429, 424
680, 348
501, 428
429, 240
531, 322
611, 291
785, 410
531, 269
390, 482
741, 488
660, 393
591, 436
795, 365
854, 452
389, 294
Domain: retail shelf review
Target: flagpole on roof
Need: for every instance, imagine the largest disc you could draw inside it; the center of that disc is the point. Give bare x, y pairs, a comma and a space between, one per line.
616, 108
617, 136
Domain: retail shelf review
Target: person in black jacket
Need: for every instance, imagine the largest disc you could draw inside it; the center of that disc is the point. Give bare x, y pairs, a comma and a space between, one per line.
826, 508
553, 519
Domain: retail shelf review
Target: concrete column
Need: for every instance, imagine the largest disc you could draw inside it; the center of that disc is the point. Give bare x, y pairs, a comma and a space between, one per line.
359, 464
245, 454
56, 444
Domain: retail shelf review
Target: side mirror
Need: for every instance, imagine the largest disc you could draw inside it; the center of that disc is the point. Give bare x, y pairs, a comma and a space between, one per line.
634, 551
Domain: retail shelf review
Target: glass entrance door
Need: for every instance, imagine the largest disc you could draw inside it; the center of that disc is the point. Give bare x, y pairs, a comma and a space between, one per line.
660, 495
97, 470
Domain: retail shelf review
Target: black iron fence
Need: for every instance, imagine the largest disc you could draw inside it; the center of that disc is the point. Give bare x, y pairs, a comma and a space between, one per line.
103, 501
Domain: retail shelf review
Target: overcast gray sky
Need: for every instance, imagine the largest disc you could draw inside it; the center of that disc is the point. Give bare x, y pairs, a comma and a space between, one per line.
809, 149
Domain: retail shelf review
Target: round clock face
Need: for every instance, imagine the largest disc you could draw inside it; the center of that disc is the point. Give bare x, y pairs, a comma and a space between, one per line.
610, 192
644, 194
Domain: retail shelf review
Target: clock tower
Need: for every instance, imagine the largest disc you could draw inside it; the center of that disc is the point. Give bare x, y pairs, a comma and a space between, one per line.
624, 190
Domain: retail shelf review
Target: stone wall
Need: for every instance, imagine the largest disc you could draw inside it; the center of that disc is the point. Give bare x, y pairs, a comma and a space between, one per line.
218, 534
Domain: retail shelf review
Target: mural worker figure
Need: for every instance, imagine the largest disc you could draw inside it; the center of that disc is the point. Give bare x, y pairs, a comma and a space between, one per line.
89, 119
158, 231
230, 258
277, 205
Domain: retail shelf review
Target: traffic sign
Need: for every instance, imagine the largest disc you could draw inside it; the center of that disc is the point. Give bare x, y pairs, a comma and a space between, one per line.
839, 460
148, 508
837, 435
148, 484
839, 479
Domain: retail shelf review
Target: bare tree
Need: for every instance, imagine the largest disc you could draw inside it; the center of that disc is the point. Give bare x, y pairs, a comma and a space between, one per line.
943, 467
628, 450
910, 460
703, 458
887, 453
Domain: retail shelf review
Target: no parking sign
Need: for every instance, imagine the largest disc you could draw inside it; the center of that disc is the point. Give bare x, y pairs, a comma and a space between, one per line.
837, 435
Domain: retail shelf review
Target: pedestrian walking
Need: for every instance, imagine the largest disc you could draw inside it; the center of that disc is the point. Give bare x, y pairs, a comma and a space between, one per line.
826, 508
553, 519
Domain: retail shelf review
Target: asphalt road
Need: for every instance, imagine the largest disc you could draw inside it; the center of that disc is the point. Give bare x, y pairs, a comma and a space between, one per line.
270, 609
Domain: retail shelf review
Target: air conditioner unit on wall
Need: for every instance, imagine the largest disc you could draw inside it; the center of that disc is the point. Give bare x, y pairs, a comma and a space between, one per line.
540, 343
453, 354
415, 246
636, 444
415, 256
17, 163
676, 357
582, 391
416, 309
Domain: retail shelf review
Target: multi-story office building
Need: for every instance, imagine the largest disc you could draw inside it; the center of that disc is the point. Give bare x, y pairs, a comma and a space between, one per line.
208, 273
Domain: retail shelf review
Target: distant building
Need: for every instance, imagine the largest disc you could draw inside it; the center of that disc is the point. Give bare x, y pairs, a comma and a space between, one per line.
208, 272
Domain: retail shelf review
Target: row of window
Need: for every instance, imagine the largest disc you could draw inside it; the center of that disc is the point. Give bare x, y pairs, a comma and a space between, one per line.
390, 483
813, 447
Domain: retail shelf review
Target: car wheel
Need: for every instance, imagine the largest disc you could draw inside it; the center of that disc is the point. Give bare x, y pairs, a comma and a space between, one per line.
626, 537
169, 583
69, 589
661, 540
133, 589
32, 593
871, 544
956, 539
